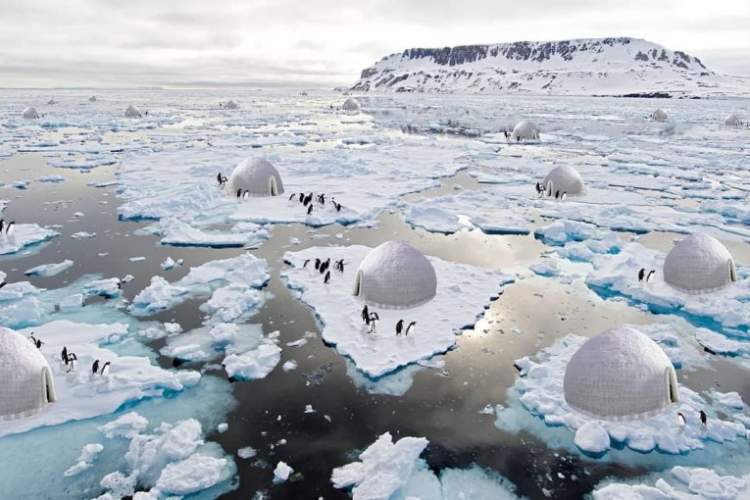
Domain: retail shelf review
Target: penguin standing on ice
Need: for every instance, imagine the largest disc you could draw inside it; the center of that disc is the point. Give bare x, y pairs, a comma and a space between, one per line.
681, 420
399, 327
317, 264
366, 314
650, 274
292, 196
239, 193
95, 367
408, 328
310, 209
64, 355
2, 224
9, 228
304, 264
641, 274
704, 418
104, 367
327, 277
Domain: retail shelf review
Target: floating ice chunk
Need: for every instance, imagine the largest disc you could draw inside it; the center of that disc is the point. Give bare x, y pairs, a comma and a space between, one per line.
253, 364
195, 473
685, 483
137, 259
222, 427
433, 219
126, 426
82, 235
383, 469
593, 438
177, 233
730, 399
282, 472
22, 184
109, 288
289, 365
51, 178
170, 263
309, 409
245, 270
461, 291
246, 452
47, 270
233, 303
85, 460
23, 236
119, 485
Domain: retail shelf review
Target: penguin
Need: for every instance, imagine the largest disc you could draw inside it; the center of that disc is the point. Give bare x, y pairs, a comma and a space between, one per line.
2, 224
218, 178
365, 313
557, 194
328, 277
641, 273
704, 418
399, 327
246, 195
562, 196
309, 209
292, 196
304, 264
408, 328
681, 420
95, 367
3, 284
239, 193
317, 264
104, 367
64, 355
650, 273
9, 228
301, 197
539, 189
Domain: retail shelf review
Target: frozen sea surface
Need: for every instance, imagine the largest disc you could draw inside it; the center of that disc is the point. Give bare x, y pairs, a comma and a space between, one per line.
125, 249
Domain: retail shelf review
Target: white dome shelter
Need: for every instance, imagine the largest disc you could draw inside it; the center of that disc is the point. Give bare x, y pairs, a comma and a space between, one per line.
92, 98
564, 179
257, 176
732, 121
699, 263
27, 386
659, 115
351, 105
524, 130
30, 114
395, 275
231, 105
620, 374
132, 112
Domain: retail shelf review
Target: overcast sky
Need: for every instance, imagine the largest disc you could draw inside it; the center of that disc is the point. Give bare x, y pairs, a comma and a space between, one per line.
169, 42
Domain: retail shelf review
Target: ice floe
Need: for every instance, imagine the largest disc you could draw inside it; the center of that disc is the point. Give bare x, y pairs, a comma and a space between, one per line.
539, 391
462, 294
681, 483
23, 236
47, 270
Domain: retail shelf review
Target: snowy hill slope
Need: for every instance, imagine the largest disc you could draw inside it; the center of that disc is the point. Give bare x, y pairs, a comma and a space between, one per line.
610, 66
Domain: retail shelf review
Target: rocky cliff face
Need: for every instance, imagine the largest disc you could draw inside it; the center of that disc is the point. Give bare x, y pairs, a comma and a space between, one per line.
585, 67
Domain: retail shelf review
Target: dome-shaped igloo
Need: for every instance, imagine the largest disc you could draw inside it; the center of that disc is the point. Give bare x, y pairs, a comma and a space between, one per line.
257, 176
699, 263
92, 98
659, 115
231, 105
132, 112
620, 374
732, 121
30, 114
565, 180
26, 385
524, 130
395, 275
351, 105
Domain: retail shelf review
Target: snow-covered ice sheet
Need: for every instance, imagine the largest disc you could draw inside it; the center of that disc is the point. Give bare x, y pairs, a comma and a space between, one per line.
23, 236
681, 483
82, 394
47, 270
462, 294
539, 392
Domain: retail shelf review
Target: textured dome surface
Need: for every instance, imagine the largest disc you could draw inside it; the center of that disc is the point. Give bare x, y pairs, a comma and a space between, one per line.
565, 179
132, 112
231, 105
350, 105
395, 275
659, 115
30, 114
699, 263
26, 384
257, 176
620, 374
732, 121
525, 130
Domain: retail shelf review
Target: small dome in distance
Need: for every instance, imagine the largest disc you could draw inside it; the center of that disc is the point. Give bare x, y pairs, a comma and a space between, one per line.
132, 112
231, 105
620, 374
699, 263
659, 115
351, 105
92, 98
525, 130
30, 114
732, 121
27, 385
564, 179
257, 177
395, 275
